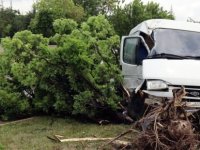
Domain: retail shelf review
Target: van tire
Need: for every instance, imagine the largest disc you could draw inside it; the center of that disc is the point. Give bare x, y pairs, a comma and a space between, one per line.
136, 106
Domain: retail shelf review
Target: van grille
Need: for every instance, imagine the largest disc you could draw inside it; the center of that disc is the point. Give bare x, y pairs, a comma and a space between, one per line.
192, 93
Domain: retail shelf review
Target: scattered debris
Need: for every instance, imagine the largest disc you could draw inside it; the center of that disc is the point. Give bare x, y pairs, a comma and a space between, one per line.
104, 122
118, 143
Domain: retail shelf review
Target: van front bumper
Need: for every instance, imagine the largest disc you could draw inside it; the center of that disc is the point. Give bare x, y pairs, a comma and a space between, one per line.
191, 99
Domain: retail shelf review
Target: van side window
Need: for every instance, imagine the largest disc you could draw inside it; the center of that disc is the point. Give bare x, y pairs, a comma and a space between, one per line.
141, 54
130, 48
148, 40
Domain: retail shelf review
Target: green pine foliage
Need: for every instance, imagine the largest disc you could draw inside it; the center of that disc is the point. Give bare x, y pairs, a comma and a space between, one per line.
1, 147
78, 76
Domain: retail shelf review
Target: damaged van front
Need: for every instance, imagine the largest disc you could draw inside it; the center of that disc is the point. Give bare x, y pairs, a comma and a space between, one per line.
160, 56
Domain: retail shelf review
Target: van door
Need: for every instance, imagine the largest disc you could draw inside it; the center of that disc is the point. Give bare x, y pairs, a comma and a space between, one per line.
133, 51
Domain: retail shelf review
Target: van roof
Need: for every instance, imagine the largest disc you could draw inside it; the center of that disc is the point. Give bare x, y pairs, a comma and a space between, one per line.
149, 25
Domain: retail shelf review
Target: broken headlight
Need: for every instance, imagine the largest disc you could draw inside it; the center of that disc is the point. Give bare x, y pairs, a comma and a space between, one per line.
156, 85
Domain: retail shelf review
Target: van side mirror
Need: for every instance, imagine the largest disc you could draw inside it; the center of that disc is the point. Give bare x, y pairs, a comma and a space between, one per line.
133, 50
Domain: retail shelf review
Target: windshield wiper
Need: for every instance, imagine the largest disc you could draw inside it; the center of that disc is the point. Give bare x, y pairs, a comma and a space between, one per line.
169, 56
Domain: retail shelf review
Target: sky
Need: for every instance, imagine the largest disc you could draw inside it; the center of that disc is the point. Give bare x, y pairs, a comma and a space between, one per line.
183, 9
22, 5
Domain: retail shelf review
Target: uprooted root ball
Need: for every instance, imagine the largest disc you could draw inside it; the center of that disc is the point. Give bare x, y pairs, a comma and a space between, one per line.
166, 127
178, 135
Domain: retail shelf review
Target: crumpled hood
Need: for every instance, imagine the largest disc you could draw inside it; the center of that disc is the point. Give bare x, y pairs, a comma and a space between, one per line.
176, 72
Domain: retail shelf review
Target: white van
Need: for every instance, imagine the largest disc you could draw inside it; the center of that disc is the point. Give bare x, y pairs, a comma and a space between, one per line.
161, 55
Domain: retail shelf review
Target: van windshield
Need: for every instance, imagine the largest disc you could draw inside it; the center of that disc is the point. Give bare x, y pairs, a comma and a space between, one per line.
176, 42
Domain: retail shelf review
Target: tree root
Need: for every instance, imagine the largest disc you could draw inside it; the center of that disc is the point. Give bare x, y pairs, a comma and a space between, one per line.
166, 127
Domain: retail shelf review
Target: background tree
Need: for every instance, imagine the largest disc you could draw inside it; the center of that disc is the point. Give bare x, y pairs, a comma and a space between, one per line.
11, 22
28, 17
49, 10
61, 9
43, 23
94, 7
127, 17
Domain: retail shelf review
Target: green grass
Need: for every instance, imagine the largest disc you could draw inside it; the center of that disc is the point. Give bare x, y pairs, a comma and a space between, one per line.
32, 134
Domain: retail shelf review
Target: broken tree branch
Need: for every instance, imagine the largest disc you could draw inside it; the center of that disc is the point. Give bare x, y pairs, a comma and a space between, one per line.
121, 135
17, 121
59, 138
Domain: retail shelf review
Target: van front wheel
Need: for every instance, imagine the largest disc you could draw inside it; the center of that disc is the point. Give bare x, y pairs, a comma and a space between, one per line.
136, 105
